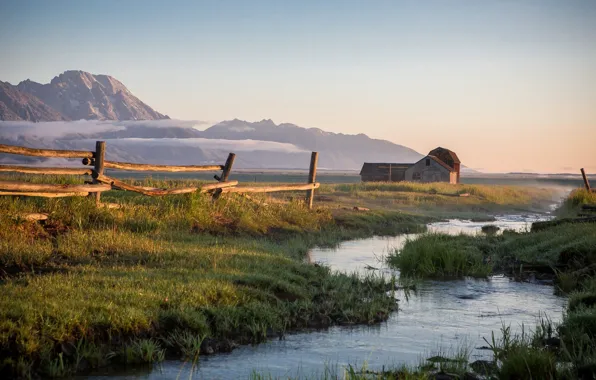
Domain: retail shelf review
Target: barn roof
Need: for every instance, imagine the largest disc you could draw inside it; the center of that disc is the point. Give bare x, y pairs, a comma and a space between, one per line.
437, 151
438, 161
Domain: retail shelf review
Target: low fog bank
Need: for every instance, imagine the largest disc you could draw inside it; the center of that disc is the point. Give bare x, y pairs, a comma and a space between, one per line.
168, 142
72, 129
199, 151
250, 154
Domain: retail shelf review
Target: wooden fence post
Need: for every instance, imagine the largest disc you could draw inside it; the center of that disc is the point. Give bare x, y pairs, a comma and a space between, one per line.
389, 172
312, 175
225, 174
586, 182
100, 152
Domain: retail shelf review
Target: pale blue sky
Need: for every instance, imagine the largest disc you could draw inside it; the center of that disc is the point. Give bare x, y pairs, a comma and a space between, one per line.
507, 84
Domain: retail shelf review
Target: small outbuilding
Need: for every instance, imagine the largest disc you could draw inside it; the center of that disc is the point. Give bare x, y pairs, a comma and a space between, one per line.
440, 165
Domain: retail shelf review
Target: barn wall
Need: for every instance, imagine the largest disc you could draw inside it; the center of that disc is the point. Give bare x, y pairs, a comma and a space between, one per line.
433, 173
456, 167
380, 172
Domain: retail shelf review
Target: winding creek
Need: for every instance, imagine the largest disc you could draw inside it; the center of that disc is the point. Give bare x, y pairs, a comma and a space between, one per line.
441, 315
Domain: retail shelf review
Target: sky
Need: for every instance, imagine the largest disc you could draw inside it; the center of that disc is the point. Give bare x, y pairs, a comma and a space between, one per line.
510, 85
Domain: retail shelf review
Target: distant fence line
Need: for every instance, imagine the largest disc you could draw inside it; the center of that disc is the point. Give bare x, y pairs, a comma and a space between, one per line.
95, 164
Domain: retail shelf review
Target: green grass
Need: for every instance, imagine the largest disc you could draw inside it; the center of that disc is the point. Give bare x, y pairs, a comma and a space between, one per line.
440, 256
493, 193
239, 290
440, 200
568, 247
524, 355
572, 204
181, 276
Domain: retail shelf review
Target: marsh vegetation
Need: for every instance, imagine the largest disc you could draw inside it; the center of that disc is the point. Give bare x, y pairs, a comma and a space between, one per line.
441, 200
183, 276
565, 253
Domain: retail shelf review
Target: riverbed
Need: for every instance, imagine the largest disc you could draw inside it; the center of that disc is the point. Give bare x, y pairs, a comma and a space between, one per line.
439, 317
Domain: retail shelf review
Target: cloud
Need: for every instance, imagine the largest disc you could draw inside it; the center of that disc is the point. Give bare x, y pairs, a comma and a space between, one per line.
167, 123
55, 129
208, 144
58, 129
81, 135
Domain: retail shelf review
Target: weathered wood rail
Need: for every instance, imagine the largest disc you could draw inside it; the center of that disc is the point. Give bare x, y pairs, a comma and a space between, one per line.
12, 149
160, 168
26, 186
119, 185
95, 165
270, 189
45, 170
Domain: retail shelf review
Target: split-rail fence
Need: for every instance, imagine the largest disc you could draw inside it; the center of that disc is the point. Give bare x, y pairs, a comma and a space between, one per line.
94, 165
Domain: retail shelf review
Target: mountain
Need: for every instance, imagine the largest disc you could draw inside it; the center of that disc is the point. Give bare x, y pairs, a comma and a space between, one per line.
74, 95
336, 150
18, 105
262, 144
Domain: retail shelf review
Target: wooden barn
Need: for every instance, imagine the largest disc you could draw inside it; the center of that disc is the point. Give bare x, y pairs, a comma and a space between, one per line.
440, 165
372, 172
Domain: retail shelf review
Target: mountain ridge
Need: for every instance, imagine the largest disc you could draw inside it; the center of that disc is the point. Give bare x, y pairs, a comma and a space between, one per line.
336, 149
73, 95
18, 105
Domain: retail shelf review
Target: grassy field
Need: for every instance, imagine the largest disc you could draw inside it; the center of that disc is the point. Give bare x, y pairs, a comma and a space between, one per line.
567, 247
183, 276
440, 200
178, 276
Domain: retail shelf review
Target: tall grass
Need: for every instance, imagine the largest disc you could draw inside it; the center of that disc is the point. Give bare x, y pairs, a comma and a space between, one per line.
498, 194
569, 247
440, 256
181, 275
572, 204
440, 200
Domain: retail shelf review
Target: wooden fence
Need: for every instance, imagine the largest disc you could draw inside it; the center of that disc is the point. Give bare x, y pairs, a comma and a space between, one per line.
95, 164
586, 182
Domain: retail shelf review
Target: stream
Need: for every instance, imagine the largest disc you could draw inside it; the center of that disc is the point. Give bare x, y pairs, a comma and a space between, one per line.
441, 316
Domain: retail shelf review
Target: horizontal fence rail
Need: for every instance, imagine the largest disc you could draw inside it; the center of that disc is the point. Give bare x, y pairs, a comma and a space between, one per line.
45, 170
160, 168
27, 186
11, 149
95, 165
270, 189
115, 183
42, 194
